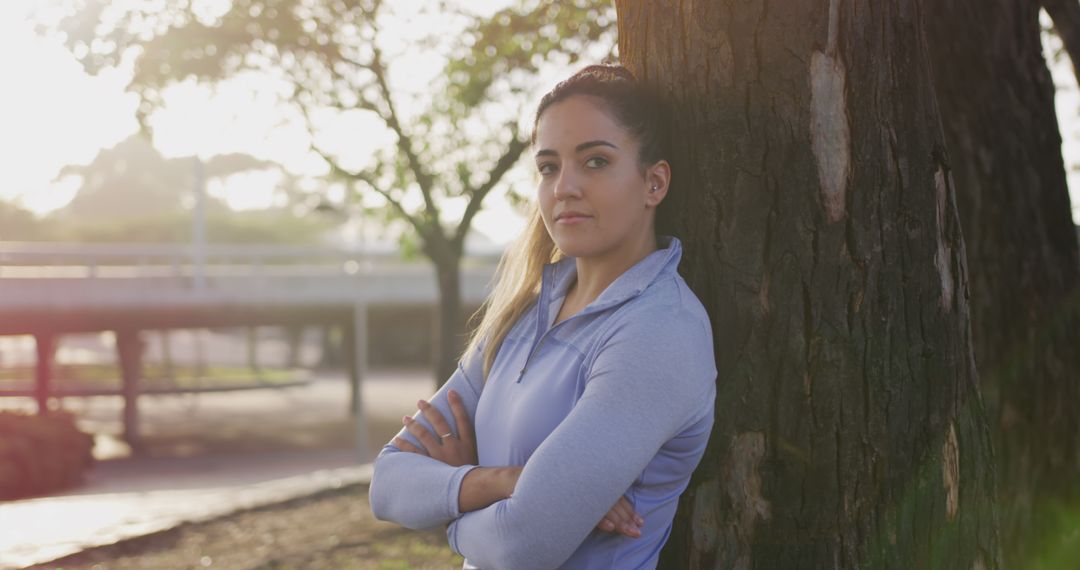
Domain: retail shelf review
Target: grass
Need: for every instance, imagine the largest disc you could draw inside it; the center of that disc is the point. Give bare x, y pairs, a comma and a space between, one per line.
153, 375
1059, 547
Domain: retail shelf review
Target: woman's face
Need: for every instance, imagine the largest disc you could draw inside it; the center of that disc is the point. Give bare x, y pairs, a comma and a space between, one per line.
593, 197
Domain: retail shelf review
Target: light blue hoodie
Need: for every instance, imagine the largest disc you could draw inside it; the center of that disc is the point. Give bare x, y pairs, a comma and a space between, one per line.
616, 400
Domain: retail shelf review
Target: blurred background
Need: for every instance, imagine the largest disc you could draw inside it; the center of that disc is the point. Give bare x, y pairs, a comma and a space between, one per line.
240, 238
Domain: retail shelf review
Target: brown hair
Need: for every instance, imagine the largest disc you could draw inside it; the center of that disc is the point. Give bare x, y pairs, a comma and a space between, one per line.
630, 103
520, 269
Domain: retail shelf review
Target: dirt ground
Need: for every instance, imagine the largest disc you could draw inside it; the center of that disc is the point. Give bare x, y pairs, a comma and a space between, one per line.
333, 530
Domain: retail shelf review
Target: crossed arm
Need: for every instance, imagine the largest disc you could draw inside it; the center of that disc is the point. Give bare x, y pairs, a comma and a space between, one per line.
484, 486
441, 474
637, 397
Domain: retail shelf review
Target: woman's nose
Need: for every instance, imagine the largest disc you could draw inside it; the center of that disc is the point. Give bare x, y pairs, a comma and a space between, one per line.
567, 186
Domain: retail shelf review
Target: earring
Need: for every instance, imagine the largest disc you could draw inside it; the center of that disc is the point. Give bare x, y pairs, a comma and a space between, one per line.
653, 189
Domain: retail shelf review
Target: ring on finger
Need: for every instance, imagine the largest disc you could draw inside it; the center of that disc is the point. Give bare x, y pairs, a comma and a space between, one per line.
446, 435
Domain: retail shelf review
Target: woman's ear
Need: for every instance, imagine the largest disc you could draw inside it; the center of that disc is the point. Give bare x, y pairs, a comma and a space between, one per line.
658, 179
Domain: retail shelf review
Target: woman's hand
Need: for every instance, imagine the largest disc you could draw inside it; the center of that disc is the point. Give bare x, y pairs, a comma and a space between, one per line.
622, 519
450, 448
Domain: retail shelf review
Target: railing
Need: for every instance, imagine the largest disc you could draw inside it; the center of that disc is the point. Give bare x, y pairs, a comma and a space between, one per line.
66, 260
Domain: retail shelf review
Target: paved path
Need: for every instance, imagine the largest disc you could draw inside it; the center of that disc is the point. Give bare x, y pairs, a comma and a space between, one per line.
129, 497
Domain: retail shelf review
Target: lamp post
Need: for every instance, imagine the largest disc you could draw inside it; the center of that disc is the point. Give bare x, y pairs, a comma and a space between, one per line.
198, 228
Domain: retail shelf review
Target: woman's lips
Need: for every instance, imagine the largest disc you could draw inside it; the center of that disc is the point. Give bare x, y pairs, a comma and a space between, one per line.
572, 219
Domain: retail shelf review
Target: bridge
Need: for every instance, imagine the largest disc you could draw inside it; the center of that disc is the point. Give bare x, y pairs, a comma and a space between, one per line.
50, 289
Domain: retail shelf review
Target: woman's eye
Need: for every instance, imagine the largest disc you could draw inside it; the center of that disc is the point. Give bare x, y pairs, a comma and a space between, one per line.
596, 162
546, 168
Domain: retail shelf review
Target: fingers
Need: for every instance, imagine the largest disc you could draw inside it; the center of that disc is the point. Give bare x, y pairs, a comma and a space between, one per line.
404, 445
629, 528
436, 418
420, 432
622, 519
461, 415
626, 528
622, 509
628, 508
626, 521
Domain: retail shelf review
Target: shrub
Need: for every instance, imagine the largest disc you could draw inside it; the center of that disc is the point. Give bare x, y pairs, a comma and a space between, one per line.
41, 453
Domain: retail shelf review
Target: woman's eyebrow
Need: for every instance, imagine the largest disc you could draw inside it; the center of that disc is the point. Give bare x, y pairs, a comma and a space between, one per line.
578, 148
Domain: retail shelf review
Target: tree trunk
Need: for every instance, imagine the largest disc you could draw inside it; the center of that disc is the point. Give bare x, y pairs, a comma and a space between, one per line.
330, 347
821, 232
449, 337
1004, 147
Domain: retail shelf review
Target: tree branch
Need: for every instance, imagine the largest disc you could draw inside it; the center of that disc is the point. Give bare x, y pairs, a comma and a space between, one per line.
505, 162
362, 101
367, 179
1066, 17
423, 179
417, 224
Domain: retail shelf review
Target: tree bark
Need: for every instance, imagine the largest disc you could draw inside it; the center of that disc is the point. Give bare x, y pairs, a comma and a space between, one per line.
821, 232
449, 322
1005, 151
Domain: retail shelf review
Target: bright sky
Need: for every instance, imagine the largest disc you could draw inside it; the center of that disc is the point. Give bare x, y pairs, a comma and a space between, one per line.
57, 115
42, 126
1067, 102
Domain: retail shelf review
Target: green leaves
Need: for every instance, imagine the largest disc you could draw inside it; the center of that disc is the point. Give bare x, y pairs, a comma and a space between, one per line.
517, 40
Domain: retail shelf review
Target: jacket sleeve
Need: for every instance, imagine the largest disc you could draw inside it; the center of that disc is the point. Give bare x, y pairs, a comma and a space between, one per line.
652, 377
415, 490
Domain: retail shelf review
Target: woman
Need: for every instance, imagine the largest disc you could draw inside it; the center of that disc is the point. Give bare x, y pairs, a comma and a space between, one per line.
590, 380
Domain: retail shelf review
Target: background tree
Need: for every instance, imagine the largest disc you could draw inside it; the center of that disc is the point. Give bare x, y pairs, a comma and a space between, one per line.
19, 224
1004, 150
822, 234
133, 179
444, 158
130, 192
